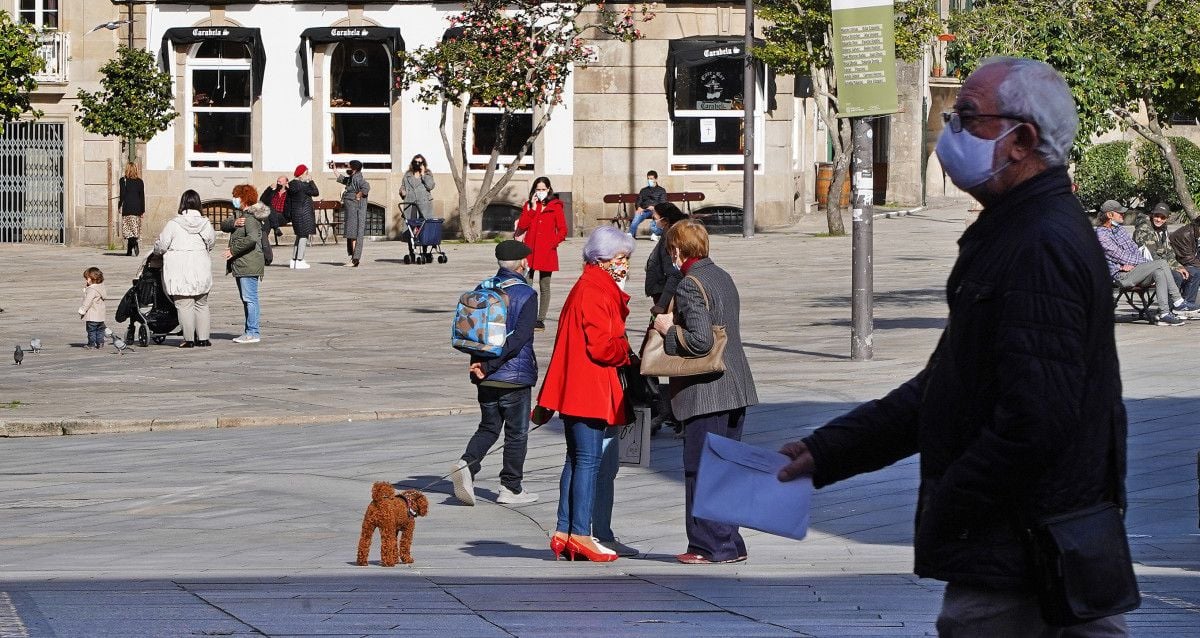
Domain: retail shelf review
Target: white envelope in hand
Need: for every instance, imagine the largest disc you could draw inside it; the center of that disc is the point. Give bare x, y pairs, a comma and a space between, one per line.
736, 484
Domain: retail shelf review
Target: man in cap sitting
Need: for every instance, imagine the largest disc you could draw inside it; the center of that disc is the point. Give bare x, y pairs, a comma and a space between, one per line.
504, 386
1150, 233
1129, 267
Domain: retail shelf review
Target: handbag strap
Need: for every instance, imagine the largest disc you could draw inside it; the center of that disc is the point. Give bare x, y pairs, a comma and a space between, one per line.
703, 292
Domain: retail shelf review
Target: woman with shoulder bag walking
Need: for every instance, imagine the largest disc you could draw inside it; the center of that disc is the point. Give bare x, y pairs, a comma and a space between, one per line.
187, 268
244, 258
542, 226
131, 201
582, 385
715, 402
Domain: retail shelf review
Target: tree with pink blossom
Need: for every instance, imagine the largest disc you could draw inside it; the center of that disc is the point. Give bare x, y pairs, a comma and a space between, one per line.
513, 56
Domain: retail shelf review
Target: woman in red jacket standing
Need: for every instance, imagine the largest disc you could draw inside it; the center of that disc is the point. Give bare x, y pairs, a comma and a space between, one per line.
542, 226
581, 384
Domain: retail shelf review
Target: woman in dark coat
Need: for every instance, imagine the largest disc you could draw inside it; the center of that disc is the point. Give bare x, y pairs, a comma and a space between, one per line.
716, 403
661, 275
299, 208
131, 201
661, 279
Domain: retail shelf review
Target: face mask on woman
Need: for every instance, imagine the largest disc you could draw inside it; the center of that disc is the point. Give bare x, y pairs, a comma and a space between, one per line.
541, 195
237, 204
618, 269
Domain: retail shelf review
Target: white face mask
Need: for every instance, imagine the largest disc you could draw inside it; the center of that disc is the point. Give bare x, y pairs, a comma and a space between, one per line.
968, 159
541, 195
677, 261
650, 183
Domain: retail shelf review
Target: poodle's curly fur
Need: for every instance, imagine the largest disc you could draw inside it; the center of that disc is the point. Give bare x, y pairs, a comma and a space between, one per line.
392, 514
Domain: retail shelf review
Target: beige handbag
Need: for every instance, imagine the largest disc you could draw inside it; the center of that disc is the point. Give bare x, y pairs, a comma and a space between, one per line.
657, 363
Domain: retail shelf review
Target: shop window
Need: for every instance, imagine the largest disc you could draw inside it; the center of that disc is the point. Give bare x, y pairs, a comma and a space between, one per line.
484, 134
707, 132
359, 113
42, 14
219, 82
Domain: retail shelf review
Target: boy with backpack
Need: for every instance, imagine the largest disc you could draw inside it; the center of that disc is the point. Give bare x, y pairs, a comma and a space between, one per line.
494, 324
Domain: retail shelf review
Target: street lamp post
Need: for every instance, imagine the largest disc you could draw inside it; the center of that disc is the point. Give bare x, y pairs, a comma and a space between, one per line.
748, 96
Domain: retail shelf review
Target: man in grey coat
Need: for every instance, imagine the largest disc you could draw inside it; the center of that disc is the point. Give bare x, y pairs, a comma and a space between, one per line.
354, 205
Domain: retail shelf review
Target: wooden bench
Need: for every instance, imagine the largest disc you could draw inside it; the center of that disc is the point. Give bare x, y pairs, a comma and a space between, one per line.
1138, 297
623, 200
329, 221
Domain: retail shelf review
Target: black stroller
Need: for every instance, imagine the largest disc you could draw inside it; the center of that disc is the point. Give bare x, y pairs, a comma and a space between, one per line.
150, 312
424, 234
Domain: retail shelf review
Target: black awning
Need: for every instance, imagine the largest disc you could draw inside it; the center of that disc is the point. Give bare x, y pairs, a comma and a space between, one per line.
250, 37
389, 37
698, 50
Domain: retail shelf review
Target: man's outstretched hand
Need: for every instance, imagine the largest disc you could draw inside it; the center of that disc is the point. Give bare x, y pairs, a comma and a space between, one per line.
802, 461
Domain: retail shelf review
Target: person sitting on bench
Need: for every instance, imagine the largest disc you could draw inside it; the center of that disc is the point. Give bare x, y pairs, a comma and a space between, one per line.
648, 197
1129, 268
1151, 234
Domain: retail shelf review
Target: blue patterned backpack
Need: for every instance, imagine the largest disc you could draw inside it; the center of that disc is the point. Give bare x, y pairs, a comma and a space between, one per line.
480, 325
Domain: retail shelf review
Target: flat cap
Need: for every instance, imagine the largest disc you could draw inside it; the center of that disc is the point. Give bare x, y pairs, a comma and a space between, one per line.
1112, 205
512, 250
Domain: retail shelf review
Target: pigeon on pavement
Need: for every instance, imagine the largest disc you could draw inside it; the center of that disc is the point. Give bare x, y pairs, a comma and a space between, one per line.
35, 345
18, 356
118, 342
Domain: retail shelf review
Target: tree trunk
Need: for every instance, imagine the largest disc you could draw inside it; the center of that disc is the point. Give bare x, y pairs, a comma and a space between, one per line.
827, 110
1153, 133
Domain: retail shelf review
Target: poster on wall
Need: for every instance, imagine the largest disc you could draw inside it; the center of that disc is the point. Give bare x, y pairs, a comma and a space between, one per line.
864, 57
708, 130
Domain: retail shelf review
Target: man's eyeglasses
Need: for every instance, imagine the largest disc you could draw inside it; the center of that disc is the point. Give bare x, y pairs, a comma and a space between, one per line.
955, 120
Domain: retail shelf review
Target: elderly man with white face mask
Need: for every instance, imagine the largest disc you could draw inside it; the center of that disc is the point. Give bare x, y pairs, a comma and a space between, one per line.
1017, 416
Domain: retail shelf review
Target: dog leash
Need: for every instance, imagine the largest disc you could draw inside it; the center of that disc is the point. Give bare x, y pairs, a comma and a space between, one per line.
498, 445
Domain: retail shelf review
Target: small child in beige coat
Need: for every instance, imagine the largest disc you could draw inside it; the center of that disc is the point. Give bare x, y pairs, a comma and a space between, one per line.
93, 309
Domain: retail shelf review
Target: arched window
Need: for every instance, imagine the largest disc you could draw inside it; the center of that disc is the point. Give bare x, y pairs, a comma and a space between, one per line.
359, 113
219, 96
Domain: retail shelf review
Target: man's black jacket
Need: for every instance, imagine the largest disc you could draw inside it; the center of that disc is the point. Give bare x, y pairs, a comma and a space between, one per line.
1014, 413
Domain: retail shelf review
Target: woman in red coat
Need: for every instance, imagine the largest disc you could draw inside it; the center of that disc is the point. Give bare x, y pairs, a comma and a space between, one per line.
581, 384
542, 226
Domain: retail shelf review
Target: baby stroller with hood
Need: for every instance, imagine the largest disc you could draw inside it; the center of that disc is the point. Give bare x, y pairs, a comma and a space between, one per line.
424, 234
150, 312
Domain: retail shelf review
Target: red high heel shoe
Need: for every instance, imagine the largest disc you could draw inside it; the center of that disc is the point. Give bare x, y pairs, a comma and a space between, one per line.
590, 548
558, 543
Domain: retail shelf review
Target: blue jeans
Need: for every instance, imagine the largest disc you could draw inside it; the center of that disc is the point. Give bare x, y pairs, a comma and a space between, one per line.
248, 287
577, 487
603, 505
507, 409
641, 217
1190, 286
95, 333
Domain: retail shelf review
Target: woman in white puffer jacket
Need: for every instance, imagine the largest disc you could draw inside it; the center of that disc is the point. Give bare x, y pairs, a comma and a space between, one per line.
185, 243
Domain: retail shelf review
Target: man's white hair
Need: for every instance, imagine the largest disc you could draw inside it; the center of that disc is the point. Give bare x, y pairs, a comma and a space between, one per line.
1035, 91
513, 264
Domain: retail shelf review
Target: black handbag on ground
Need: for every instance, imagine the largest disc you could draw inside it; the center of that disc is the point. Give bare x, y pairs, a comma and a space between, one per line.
1082, 563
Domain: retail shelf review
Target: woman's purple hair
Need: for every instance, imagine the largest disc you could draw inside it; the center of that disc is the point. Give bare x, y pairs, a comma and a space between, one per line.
605, 242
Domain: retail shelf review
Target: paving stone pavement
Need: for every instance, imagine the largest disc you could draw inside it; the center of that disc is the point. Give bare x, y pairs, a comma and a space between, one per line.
203, 530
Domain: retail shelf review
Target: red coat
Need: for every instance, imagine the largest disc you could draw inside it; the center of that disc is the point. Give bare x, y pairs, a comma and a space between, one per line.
545, 227
581, 380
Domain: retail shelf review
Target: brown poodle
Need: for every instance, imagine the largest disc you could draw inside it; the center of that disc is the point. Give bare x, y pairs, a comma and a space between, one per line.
393, 514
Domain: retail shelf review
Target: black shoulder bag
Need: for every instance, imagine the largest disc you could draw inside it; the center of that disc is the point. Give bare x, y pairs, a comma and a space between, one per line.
1082, 562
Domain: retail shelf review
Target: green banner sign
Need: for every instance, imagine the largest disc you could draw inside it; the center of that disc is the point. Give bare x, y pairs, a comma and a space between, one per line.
864, 57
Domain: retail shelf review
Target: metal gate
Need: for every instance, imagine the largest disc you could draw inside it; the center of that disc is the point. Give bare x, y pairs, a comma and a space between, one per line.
31, 183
